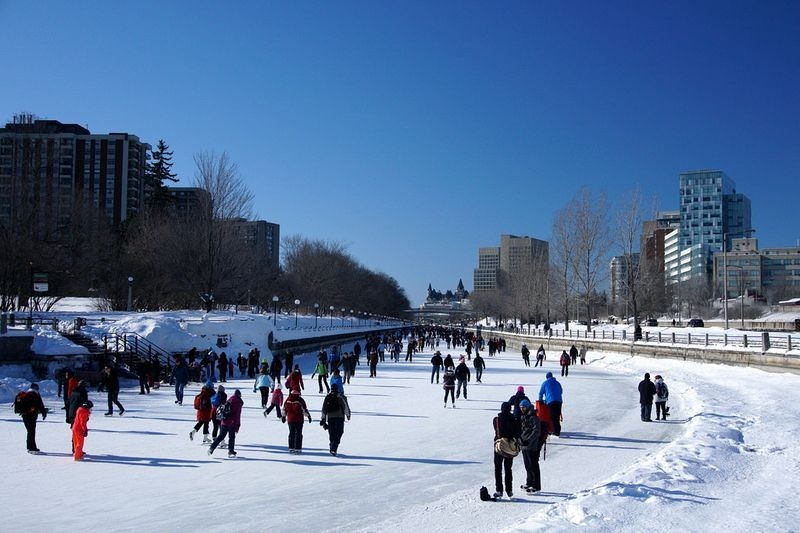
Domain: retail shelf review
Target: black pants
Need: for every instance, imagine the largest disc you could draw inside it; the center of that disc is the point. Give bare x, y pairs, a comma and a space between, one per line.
647, 409
144, 383
274, 406
30, 425
435, 372
502, 464
462, 383
661, 409
533, 474
539, 362
323, 379
264, 396
478, 374
555, 415
225, 432
202, 424
335, 432
296, 435
112, 400
451, 392
565, 370
373, 369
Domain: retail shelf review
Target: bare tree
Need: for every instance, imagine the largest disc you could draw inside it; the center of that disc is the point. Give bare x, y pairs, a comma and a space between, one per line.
590, 244
629, 221
561, 246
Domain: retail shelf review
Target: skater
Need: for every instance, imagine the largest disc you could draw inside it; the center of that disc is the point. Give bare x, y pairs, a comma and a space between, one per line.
263, 383
336, 379
517, 399
202, 403
582, 355
295, 380
28, 404
80, 429
180, 374
552, 394
275, 401
275, 368
462, 376
372, 359
222, 366
110, 381
479, 365
573, 354
449, 386
564, 363
144, 371
436, 364
662, 395
505, 426
231, 414
531, 436
448, 363
646, 392
289, 363
526, 355
219, 398
321, 371
294, 413
334, 410
540, 356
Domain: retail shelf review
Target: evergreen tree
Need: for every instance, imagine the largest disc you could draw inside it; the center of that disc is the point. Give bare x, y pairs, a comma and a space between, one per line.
159, 171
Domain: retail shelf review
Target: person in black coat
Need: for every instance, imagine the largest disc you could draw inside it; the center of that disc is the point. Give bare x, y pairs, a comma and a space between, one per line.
505, 426
515, 401
647, 390
111, 382
29, 405
436, 363
448, 362
462, 377
479, 365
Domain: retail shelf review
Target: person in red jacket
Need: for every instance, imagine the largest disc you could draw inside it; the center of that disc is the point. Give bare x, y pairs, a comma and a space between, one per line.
202, 402
231, 421
80, 428
294, 411
295, 380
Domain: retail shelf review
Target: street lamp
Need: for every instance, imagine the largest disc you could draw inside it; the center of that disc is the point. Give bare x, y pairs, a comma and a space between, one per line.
342, 316
316, 315
130, 293
275, 306
296, 307
351, 317
331, 309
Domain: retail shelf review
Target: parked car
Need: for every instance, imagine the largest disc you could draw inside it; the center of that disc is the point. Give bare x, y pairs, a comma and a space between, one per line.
696, 323
651, 322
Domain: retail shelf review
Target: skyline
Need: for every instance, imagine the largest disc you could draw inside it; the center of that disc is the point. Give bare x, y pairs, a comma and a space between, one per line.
430, 130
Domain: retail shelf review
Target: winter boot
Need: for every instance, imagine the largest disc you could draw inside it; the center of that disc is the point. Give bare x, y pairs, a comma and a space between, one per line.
191, 434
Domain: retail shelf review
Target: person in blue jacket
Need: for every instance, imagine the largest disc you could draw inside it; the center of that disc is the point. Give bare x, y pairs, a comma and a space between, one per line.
336, 379
551, 393
180, 375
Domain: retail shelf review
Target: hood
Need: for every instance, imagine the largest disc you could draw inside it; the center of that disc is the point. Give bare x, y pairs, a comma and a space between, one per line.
505, 407
549, 375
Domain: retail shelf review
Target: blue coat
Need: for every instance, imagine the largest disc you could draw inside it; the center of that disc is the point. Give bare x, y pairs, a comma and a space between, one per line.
337, 380
550, 391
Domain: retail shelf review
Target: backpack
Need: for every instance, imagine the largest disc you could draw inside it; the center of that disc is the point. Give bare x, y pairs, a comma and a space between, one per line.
661, 390
23, 403
330, 403
224, 411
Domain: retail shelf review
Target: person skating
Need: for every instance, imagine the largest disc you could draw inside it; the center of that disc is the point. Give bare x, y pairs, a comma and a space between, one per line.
540, 356
28, 404
275, 368
263, 384
662, 395
448, 363
80, 429
552, 394
336, 379
110, 381
573, 354
462, 377
294, 413
646, 392
275, 401
219, 398
372, 359
449, 386
564, 363
321, 371
202, 403
582, 355
229, 426
144, 369
334, 410
295, 380
180, 375
531, 436
505, 426
436, 364
479, 365
222, 366
516, 400
526, 355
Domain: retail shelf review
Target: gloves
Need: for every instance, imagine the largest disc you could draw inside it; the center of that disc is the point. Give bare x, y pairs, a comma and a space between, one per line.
348, 419
86, 433
309, 419
44, 415
254, 389
283, 419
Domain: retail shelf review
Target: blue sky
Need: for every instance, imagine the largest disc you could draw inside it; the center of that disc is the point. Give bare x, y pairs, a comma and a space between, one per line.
416, 132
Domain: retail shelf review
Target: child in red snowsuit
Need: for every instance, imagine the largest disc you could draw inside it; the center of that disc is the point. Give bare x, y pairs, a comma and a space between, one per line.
80, 428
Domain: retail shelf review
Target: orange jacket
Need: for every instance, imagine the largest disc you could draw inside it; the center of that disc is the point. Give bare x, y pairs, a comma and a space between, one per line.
81, 423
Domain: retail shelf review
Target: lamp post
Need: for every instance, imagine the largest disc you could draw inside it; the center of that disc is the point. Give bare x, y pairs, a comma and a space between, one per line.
130, 293
316, 315
275, 307
351, 318
342, 316
296, 308
331, 310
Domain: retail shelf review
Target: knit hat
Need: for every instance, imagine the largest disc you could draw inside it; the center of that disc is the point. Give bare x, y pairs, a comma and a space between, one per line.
34, 386
238, 393
549, 375
209, 385
525, 404
220, 389
520, 389
647, 375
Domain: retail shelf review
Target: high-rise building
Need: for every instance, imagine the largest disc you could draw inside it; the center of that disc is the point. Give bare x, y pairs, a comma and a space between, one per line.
55, 167
515, 255
263, 236
653, 234
622, 267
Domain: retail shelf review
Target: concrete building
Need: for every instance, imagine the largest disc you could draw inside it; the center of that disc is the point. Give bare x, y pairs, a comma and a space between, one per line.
771, 273
61, 167
514, 255
654, 233
621, 268
263, 236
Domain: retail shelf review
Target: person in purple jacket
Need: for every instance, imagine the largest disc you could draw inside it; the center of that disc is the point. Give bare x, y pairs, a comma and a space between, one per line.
230, 415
